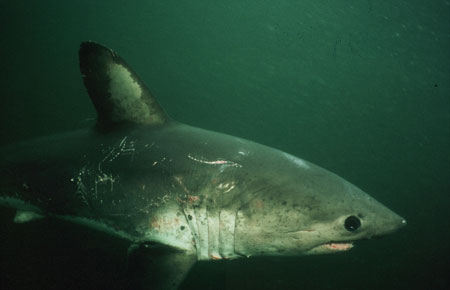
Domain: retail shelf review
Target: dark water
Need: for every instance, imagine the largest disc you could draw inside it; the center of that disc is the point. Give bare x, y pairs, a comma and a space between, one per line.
360, 87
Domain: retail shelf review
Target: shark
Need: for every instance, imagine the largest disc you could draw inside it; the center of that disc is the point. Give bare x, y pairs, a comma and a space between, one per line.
180, 194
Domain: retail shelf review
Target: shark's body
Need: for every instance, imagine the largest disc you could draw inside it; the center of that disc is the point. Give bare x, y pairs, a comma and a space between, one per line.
188, 194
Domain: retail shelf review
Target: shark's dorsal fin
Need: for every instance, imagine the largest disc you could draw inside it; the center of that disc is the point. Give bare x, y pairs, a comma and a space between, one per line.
118, 94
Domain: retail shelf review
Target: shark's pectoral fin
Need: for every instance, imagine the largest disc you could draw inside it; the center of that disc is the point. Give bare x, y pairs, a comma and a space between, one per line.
118, 94
23, 216
155, 266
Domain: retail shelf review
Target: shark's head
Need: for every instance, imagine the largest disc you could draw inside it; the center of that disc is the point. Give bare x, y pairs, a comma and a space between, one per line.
303, 209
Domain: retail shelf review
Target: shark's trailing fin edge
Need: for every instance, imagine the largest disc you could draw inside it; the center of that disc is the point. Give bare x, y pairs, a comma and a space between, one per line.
118, 94
157, 267
26, 216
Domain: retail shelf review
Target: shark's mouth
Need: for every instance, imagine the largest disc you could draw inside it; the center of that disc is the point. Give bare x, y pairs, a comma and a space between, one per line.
331, 247
338, 246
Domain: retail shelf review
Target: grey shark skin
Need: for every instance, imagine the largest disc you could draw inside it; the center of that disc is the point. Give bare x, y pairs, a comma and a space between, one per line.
185, 193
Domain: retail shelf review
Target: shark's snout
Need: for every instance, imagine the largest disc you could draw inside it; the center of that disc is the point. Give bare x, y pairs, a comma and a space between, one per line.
391, 224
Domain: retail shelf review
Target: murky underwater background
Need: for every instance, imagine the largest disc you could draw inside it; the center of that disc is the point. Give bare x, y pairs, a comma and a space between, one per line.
360, 87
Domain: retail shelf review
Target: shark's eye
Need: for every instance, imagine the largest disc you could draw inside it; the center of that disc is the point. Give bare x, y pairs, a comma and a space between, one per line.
352, 223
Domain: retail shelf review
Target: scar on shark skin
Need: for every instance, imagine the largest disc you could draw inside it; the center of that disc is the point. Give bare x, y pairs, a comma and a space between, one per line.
226, 187
124, 148
100, 176
180, 182
216, 162
188, 197
81, 189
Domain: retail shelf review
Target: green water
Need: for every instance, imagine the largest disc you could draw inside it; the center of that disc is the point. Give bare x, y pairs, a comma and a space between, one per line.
360, 87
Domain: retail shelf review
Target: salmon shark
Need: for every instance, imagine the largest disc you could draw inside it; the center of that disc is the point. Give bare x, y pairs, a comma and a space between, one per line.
181, 193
